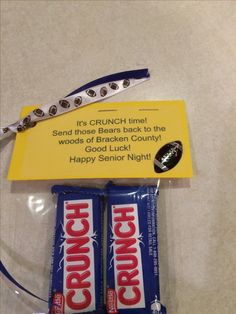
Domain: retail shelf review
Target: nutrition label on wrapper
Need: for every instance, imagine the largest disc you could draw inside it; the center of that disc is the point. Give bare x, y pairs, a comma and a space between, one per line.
100, 139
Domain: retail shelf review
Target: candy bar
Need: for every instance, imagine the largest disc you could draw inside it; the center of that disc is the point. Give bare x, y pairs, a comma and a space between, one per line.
132, 253
76, 273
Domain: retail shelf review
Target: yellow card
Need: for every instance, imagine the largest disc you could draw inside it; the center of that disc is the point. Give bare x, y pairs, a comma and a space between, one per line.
103, 140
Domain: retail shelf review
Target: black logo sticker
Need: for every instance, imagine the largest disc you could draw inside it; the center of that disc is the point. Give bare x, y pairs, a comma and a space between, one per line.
168, 156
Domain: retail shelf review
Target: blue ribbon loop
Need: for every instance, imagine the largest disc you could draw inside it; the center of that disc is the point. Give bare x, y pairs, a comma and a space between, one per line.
5, 272
135, 74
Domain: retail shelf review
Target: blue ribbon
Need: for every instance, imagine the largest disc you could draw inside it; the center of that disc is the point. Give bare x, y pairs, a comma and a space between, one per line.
135, 74
5, 272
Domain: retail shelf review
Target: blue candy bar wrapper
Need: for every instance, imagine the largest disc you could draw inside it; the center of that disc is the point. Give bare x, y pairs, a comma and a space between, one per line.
76, 271
132, 253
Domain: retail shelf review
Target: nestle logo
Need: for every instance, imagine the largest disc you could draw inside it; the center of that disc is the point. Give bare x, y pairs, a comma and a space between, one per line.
111, 304
58, 303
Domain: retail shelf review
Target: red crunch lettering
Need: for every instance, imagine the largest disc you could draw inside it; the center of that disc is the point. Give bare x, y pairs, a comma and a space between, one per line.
77, 281
127, 262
